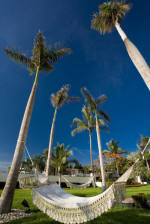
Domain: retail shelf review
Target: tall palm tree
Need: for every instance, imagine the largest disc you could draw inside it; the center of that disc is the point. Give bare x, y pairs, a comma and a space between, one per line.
110, 16
59, 158
114, 152
42, 59
87, 123
99, 116
57, 100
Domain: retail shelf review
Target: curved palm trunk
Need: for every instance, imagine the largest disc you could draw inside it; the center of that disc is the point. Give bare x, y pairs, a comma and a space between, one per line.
8, 192
51, 143
100, 155
135, 56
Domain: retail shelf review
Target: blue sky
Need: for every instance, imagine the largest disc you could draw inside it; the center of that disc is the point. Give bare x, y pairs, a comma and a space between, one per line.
98, 62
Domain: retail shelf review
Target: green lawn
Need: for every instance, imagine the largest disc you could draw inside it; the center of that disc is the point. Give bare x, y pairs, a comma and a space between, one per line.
117, 215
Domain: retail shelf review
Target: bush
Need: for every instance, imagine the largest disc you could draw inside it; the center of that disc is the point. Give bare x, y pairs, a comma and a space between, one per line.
140, 201
130, 181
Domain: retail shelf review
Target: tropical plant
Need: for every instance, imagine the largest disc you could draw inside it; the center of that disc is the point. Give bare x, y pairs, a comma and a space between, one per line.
115, 153
59, 158
110, 15
87, 123
57, 100
42, 59
39, 163
27, 165
100, 117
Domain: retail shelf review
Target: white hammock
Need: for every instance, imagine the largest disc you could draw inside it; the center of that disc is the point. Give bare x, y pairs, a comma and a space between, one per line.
66, 208
78, 186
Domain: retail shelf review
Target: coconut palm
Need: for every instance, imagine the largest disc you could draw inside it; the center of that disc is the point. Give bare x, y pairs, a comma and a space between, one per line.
110, 16
59, 158
115, 152
42, 59
57, 100
100, 117
87, 123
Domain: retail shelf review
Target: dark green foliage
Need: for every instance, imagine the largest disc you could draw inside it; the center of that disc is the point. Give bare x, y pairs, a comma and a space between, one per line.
140, 201
109, 13
62, 97
60, 157
95, 103
43, 57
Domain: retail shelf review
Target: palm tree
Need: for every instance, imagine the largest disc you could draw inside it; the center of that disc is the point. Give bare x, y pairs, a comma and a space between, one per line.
27, 165
110, 16
100, 115
42, 59
114, 152
39, 163
59, 158
87, 123
57, 100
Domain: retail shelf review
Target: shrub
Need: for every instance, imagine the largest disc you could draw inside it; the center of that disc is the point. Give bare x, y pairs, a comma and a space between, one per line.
140, 201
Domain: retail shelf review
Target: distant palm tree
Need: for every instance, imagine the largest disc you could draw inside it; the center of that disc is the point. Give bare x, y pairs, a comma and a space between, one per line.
114, 152
57, 100
42, 59
87, 123
39, 163
27, 165
110, 15
101, 117
59, 158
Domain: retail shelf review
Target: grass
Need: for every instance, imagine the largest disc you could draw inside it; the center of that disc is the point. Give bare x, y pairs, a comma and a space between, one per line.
117, 215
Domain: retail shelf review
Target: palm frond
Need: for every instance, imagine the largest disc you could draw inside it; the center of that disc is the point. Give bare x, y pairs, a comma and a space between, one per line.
55, 55
101, 99
104, 115
89, 98
20, 58
78, 130
109, 13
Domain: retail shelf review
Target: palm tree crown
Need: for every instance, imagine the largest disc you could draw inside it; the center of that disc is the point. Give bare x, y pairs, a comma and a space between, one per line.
94, 105
59, 158
87, 123
114, 149
62, 97
109, 13
43, 57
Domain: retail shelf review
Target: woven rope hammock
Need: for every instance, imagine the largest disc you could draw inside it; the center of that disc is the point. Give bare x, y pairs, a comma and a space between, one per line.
78, 186
67, 208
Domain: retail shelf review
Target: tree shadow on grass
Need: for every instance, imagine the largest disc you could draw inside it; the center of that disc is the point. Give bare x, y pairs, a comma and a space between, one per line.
121, 215
118, 215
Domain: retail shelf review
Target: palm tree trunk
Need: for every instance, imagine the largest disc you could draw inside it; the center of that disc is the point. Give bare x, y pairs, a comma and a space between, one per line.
51, 143
100, 155
59, 174
91, 156
135, 56
117, 168
8, 192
